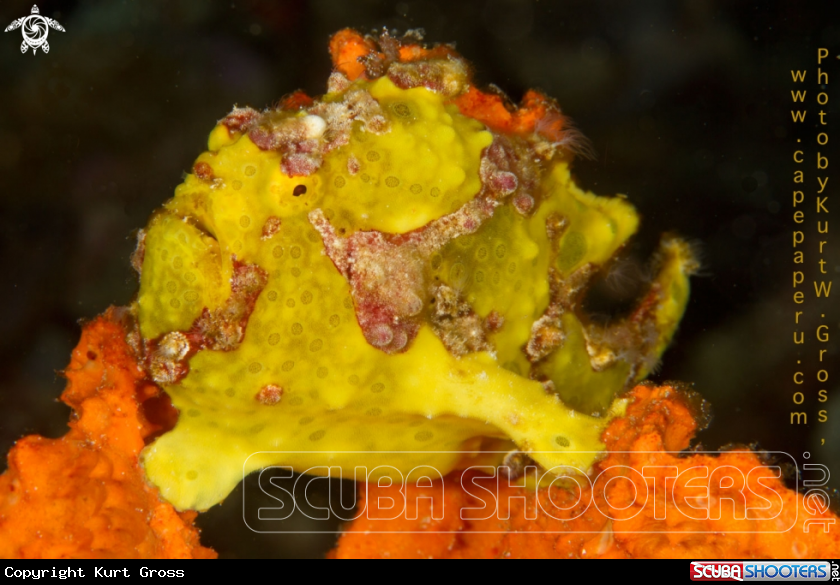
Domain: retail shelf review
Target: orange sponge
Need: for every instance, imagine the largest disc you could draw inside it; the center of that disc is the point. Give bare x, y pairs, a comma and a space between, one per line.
610, 519
84, 495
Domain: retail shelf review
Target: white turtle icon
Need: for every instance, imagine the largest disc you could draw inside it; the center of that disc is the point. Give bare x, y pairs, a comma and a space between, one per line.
35, 30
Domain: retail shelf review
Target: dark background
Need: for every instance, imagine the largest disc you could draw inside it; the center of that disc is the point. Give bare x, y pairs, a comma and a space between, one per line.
686, 104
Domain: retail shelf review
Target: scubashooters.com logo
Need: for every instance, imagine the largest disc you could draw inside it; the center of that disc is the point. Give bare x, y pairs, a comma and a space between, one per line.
764, 571
35, 29
696, 497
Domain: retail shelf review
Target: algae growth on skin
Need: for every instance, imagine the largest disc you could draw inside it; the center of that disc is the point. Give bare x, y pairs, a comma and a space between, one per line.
396, 266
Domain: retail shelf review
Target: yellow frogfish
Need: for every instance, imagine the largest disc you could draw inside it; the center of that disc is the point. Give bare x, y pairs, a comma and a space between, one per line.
387, 277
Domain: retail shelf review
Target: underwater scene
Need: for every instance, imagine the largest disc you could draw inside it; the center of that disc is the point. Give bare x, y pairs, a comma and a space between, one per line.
282, 275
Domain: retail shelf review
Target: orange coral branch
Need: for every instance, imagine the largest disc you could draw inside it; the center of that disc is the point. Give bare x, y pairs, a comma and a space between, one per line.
84, 495
658, 420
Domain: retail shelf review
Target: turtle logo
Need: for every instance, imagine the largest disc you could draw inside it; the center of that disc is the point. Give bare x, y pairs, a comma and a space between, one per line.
35, 29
